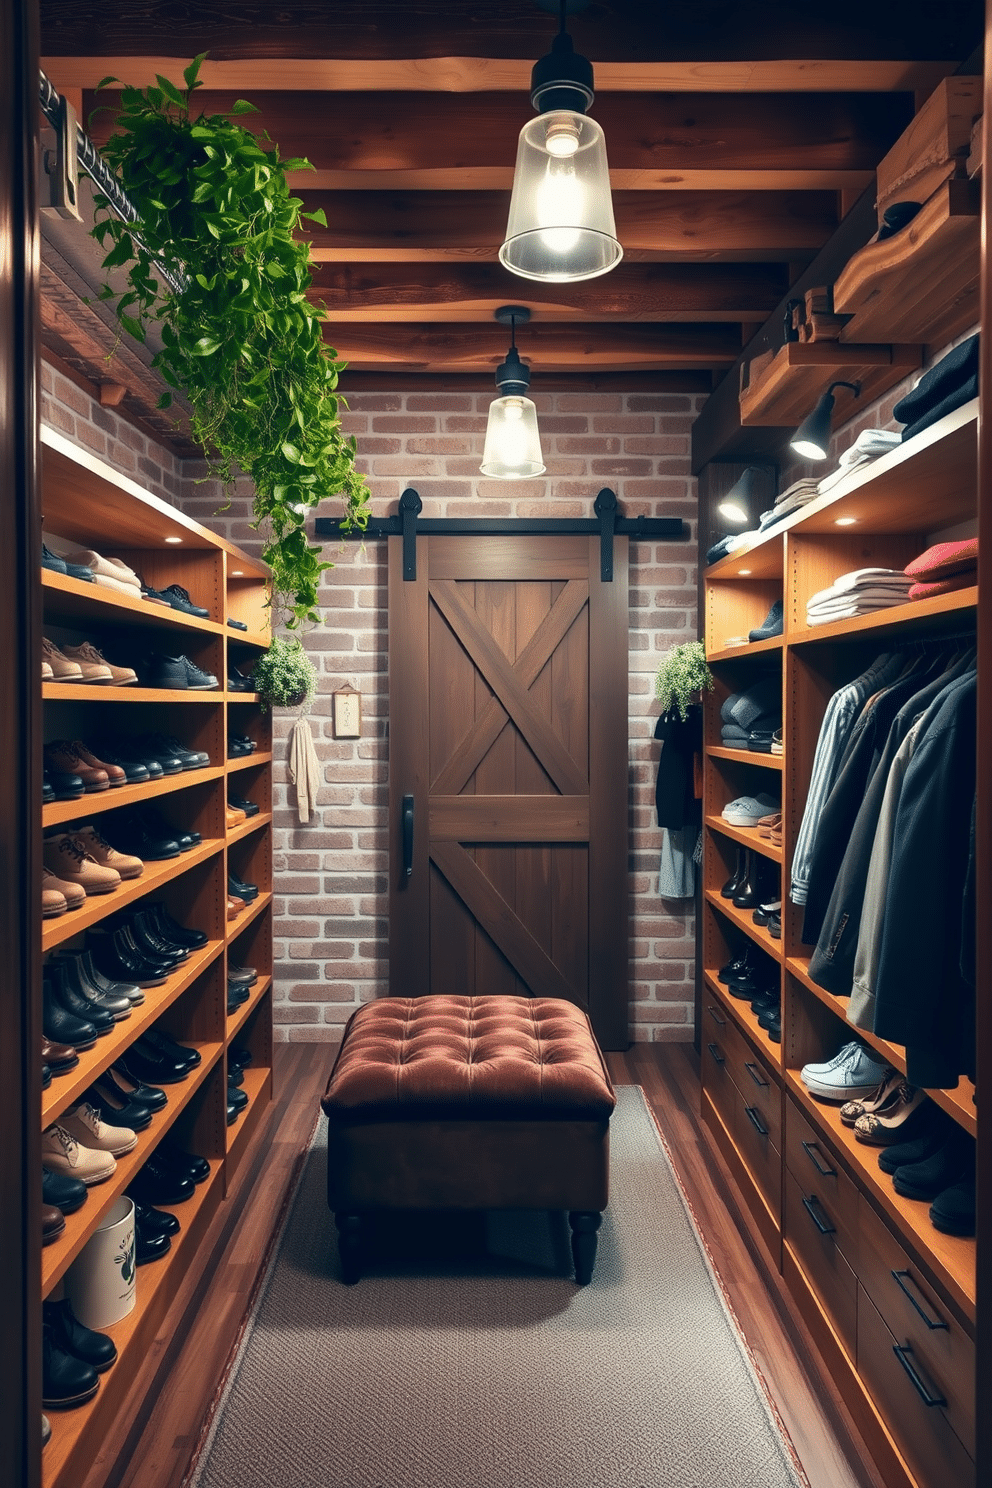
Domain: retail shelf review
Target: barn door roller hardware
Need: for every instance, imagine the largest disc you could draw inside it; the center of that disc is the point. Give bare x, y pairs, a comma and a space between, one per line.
608, 522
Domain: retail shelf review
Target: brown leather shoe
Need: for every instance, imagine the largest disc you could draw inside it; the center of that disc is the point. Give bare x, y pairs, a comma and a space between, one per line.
234, 816
66, 856
234, 907
64, 758
100, 849
114, 773
87, 655
73, 895
53, 901
62, 669
52, 1223
58, 1057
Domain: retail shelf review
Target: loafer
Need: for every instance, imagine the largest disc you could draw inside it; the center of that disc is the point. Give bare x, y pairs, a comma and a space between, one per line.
62, 1191
236, 997
65, 1380
233, 1109
69, 1335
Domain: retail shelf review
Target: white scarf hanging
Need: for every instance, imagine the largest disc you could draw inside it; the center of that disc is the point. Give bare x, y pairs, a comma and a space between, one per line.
304, 769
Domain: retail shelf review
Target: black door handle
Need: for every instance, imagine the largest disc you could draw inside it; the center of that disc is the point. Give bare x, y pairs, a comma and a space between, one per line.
756, 1121
407, 836
814, 1210
904, 1354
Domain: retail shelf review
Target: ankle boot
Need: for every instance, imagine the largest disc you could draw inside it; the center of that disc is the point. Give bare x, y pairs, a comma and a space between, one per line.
760, 885
735, 880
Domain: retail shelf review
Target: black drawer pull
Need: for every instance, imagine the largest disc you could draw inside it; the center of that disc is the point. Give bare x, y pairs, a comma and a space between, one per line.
900, 1278
810, 1150
715, 1015
756, 1121
715, 1051
752, 1070
902, 1352
825, 1228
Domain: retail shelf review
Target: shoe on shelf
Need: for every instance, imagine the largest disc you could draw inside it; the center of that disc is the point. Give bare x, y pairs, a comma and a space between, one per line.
250, 808
145, 935
128, 1083
105, 985
65, 1193
103, 1095
155, 1183
907, 1114
879, 1097
136, 771
232, 818
737, 877
246, 975
777, 742
774, 926
62, 758
53, 901
170, 929
853, 1073
65, 1380
241, 890
236, 1096
953, 1211
52, 1223
61, 668
115, 956
190, 1164
158, 827
130, 833
61, 1153
66, 857
764, 912
953, 1161
236, 624
85, 1123
904, 1154
52, 561
114, 773
156, 1221
151, 1242
747, 811
154, 596
771, 625
176, 673
63, 1027
60, 1058
239, 1057
64, 785
180, 600
68, 1334
70, 965
167, 745
67, 993
155, 1038
87, 655
100, 850
237, 996
234, 906
761, 886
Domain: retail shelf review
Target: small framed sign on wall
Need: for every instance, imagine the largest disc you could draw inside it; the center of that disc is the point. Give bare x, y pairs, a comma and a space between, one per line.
347, 713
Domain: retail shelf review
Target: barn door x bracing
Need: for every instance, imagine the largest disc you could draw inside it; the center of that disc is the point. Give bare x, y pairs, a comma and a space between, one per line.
508, 772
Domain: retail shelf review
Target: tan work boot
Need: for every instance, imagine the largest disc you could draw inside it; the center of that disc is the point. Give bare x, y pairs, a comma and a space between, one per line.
94, 842
87, 654
69, 861
62, 669
53, 901
71, 893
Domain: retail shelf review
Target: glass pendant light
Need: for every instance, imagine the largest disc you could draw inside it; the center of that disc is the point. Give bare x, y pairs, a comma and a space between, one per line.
561, 225
513, 444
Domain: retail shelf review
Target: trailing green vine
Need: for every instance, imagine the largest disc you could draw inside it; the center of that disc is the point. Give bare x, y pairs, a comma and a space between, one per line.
682, 677
241, 339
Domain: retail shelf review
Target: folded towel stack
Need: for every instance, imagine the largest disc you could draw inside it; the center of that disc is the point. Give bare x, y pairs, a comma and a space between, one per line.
748, 719
869, 446
944, 568
858, 593
952, 382
800, 493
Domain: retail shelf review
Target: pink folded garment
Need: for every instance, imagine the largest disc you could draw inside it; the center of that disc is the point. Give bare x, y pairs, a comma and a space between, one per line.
943, 560
944, 586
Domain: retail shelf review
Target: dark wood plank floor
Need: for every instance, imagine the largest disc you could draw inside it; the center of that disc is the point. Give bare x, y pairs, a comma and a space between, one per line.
182, 1371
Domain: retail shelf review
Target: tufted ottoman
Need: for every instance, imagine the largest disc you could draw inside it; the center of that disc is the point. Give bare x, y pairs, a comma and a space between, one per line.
468, 1103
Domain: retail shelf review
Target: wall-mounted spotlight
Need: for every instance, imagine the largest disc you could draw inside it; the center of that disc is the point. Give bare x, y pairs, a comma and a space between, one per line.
738, 504
812, 439
561, 225
513, 443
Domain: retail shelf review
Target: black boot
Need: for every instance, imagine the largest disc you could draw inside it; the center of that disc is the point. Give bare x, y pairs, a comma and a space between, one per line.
735, 880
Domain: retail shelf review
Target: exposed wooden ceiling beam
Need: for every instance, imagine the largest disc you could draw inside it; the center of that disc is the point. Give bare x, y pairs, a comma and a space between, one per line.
429, 348
466, 74
427, 226
471, 292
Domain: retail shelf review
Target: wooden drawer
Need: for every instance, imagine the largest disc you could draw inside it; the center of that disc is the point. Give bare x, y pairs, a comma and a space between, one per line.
822, 1179
810, 1233
912, 1311
716, 1076
919, 1424
759, 1087
763, 1158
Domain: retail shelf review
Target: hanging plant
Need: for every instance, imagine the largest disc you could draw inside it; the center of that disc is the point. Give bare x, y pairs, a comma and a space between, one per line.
284, 676
682, 676
241, 339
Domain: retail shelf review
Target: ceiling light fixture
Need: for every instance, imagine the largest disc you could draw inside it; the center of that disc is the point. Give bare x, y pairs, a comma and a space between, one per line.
561, 225
173, 539
812, 439
513, 443
844, 521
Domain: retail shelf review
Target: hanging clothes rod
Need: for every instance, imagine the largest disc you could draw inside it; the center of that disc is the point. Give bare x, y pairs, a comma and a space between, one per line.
90, 160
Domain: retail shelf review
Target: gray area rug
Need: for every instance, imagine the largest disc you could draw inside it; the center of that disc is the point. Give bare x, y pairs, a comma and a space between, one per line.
468, 1357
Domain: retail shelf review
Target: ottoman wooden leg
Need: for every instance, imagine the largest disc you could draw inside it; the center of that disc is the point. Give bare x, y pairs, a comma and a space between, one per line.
584, 1225
350, 1246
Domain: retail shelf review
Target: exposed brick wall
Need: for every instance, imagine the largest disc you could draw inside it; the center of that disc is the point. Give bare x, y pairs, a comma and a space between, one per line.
330, 876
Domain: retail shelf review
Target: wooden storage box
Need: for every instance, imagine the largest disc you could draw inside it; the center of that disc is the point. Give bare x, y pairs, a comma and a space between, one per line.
934, 146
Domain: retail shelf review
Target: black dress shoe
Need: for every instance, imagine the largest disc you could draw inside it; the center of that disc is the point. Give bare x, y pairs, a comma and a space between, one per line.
65, 1380
67, 787
236, 624
157, 1184
738, 967
238, 1057
134, 1088
149, 1245
180, 600
148, 1065
62, 1027
156, 1221
114, 1003
240, 890
250, 808
69, 1335
156, 826
130, 990
103, 1095
163, 760
235, 1076
135, 771
155, 1038
118, 962
190, 1164
233, 1109
47, 789
180, 934
191, 759
68, 998
128, 833
65, 1193
146, 938
236, 1097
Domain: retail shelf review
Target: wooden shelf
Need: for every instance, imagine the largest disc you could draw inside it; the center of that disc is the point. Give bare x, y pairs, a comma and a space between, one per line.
943, 611
65, 598
950, 1258
77, 1434
88, 693
237, 1019
126, 795
742, 919
745, 756
787, 388
66, 1089
739, 653
98, 906
958, 1103
249, 761
741, 1013
257, 1084
747, 836
246, 828
922, 285
764, 558
241, 697
57, 1258
253, 910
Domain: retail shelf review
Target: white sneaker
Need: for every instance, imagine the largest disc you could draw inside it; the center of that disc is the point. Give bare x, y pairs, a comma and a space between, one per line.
85, 1124
747, 811
61, 1153
852, 1073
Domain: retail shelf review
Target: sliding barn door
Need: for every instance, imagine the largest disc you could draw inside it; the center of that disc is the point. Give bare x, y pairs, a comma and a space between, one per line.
508, 772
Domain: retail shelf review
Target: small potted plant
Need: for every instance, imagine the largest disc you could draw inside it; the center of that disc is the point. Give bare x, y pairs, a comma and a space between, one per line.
682, 677
284, 676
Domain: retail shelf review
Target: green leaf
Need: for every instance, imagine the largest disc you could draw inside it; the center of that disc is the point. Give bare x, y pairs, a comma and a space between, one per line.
292, 453
242, 106
170, 90
192, 72
318, 216
206, 346
165, 401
